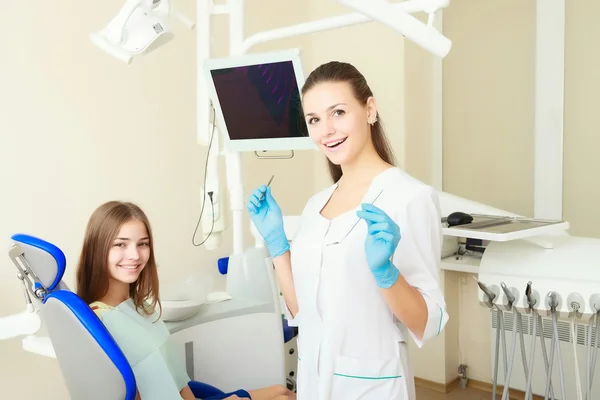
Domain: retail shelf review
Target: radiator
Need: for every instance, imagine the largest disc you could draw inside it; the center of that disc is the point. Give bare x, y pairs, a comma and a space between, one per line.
518, 379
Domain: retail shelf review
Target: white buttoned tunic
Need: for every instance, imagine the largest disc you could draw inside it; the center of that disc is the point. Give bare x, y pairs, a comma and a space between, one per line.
350, 345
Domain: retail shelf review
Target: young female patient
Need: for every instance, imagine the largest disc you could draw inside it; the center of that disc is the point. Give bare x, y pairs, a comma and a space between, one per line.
117, 277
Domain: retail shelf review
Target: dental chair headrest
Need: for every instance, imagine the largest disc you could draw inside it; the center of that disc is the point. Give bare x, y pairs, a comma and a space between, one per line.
46, 260
93, 365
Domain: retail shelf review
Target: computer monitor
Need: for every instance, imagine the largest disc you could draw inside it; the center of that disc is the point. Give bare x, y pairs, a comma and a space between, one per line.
257, 101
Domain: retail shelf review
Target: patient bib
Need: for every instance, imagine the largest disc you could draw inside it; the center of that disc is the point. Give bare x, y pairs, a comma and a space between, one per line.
145, 340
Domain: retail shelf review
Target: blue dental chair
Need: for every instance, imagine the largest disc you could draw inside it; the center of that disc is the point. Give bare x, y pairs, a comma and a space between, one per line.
88, 356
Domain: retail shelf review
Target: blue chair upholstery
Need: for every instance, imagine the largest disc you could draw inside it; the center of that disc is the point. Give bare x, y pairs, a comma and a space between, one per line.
65, 331
288, 331
87, 354
41, 264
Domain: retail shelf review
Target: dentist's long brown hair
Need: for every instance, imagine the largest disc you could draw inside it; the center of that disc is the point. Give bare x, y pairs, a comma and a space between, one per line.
92, 272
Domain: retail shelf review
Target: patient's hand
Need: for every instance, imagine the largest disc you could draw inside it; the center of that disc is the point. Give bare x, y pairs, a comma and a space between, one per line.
187, 394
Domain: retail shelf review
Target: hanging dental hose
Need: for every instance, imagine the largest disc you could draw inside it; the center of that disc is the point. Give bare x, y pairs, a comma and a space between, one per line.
574, 330
589, 357
595, 349
496, 357
545, 353
503, 337
531, 302
528, 390
517, 323
553, 303
505, 393
559, 356
489, 301
550, 365
510, 298
522, 341
500, 322
588, 370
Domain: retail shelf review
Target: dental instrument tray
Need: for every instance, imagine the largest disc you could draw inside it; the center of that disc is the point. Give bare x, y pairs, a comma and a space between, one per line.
503, 228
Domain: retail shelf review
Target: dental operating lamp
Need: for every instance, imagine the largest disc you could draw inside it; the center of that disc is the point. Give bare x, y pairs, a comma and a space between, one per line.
139, 28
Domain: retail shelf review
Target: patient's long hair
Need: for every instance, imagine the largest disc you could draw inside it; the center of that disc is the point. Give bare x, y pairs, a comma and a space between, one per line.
92, 272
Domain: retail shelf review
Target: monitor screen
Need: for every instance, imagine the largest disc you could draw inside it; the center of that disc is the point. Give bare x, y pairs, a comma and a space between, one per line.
259, 102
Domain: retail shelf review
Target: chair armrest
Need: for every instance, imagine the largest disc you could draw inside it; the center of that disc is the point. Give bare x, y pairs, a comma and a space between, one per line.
202, 390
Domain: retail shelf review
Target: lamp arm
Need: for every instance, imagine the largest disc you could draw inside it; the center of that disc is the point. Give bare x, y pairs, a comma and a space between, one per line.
305, 28
408, 6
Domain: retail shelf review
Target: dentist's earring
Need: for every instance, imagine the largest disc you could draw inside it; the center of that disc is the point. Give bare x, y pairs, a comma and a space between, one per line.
373, 121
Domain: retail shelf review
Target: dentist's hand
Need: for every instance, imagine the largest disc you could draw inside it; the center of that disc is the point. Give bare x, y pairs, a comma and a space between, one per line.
382, 239
268, 219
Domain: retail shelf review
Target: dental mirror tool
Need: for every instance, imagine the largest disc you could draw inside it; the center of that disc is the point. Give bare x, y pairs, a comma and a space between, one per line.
268, 184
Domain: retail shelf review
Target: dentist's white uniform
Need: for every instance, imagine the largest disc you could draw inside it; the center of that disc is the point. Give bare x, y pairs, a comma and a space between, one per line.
350, 346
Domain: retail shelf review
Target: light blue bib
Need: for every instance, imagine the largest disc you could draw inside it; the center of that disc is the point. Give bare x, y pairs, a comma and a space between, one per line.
159, 372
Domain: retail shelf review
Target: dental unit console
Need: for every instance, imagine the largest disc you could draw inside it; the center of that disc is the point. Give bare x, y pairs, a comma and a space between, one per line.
534, 259
539, 283
565, 278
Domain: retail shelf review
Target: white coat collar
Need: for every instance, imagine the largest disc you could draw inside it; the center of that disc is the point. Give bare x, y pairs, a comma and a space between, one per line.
376, 187
346, 222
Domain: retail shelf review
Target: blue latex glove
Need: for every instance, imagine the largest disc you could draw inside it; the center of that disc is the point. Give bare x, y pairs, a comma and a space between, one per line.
268, 219
382, 239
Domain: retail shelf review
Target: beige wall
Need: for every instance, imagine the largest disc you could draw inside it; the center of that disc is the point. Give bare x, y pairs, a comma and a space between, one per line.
581, 140
488, 103
420, 95
79, 128
488, 116
488, 110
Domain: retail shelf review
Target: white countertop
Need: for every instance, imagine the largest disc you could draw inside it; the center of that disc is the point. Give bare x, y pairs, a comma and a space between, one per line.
225, 309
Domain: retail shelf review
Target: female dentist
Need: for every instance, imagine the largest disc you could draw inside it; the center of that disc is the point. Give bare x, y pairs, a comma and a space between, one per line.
362, 271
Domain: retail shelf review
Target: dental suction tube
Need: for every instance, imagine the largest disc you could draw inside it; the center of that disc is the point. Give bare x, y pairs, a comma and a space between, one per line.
574, 325
528, 389
498, 328
513, 346
488, 299
510, 299
591, 359
522, 341
545, 353
550, 365
552, 302
531, 301
559, 356
588, 383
